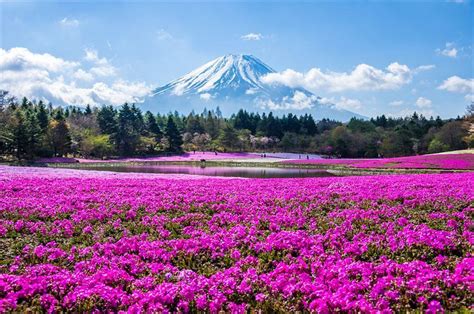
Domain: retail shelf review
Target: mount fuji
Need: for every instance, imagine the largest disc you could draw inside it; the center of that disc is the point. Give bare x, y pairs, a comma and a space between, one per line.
234, 82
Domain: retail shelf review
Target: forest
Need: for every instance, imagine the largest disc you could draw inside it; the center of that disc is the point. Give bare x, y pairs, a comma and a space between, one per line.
33, 129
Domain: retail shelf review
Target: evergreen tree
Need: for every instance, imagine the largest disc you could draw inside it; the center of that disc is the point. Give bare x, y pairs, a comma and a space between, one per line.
19, 134
173, 136
193, 124
59, 136
42, 117
33, 133
229, 137
106, 118
151, 125
127, 136
88, 110
137, 117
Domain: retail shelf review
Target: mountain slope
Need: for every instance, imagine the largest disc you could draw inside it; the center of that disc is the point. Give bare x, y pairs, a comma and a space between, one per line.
233, 82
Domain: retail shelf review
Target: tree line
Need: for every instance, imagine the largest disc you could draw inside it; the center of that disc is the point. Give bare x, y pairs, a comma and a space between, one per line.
30, 129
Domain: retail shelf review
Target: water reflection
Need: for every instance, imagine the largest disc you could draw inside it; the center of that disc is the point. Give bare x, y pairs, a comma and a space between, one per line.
245, 172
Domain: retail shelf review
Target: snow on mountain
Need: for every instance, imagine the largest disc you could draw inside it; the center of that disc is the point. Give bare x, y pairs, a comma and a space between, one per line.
233, 82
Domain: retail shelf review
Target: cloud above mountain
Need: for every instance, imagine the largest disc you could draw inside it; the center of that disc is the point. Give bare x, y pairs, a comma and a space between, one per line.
364, 77
92, 80
252, 37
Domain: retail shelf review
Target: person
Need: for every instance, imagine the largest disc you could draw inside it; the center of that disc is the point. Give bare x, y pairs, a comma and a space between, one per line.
215, 153
299, 156
264, 155
307, 156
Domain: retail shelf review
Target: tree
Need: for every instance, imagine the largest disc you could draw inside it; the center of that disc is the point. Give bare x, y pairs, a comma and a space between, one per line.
173, 136
106, 118
360, 125
151, 125
397, 143
58, 134
308, 126
33, 132
452, 134
289, 141
96, 146
43, 117
193, 124
340, 140
19, 134
88, 110
127, 136
437, 146
228, 137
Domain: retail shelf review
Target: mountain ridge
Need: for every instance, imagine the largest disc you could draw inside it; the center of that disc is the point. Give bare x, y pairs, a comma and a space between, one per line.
233, 82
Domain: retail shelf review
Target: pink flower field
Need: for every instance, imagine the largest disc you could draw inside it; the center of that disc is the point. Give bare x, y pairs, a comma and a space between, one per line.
448, 161
75, 241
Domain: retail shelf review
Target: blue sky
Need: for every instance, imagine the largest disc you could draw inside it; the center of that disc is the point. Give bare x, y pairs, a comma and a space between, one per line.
123, 48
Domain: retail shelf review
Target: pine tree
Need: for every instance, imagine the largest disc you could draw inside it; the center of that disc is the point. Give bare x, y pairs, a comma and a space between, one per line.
151, 125
228, 137
173, 136
106, 118
127, 136
88, 110
59, 136
33, 133
20, 134
43, 117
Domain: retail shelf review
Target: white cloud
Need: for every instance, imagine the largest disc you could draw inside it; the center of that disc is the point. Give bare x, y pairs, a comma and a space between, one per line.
83, 75
457, 84
363, 77
66, 22
18, 59
162, 34
299, 101
396, 103
43, 76
205, 96
423, 102
342, 103
91, 55
424, 68
179, 90
448, 51
251, 91
469, 97
252, 36
102, 66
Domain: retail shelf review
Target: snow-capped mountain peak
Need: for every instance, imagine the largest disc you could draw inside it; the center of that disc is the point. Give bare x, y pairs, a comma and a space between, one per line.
234, 82
237, 72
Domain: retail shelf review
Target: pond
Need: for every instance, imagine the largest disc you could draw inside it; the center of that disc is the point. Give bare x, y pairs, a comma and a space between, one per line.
245, 172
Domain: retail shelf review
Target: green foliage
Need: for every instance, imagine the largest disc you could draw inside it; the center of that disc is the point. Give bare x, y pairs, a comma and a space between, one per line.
127, 136
29, 129
96, 146
437, 146
58, 135
107, 120
228, 137
172, 134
